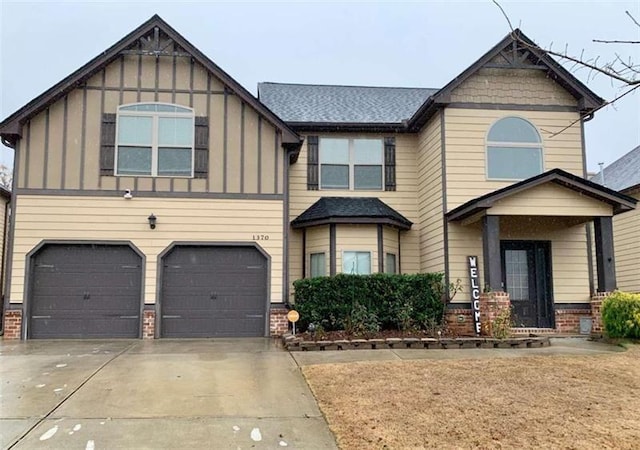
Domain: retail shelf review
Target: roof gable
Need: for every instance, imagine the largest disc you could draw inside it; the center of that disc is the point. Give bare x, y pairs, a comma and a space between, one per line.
151, 38
618, 201
515, 51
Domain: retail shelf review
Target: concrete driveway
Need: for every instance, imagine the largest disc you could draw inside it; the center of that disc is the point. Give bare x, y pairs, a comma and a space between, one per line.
235, 393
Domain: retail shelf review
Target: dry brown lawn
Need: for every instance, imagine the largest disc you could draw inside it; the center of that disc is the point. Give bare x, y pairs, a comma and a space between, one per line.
573, 402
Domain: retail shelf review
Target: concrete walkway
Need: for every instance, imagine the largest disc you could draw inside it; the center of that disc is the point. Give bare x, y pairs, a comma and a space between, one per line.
238, 394
559, 346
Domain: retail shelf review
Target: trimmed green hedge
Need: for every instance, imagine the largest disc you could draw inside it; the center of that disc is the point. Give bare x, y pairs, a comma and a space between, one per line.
621, 315
362, 303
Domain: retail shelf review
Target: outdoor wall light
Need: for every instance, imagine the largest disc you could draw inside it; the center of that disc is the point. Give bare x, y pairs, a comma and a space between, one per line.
152, 221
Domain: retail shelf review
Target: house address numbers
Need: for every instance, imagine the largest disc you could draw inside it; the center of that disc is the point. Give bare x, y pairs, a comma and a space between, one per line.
260, 237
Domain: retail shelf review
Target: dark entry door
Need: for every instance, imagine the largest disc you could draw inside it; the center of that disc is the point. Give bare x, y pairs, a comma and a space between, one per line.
213, 291
526, 269
85, 291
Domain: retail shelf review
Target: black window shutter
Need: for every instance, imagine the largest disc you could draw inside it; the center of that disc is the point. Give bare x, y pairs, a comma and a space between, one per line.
389, 164
312, 163
201, 148
107, 144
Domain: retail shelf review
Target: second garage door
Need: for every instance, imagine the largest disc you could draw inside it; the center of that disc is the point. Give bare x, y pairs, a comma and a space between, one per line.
213, 291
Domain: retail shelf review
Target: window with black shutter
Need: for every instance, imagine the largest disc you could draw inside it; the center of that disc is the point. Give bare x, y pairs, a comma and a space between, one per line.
154, 139
351, 163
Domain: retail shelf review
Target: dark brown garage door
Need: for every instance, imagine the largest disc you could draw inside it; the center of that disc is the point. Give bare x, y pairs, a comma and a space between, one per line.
213, 292
85, 291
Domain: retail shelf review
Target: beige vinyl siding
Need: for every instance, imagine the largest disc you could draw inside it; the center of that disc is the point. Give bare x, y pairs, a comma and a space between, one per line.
389, 245
317, 242
116, 219
359, 238
465, 136
568, 252
402, 200
553, 199
430, 197
626, 233
237, 160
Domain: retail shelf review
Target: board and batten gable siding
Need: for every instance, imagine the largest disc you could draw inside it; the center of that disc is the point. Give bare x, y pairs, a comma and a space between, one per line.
430, 196
627, 248
403, 199
569, 256
60, 147
72, 218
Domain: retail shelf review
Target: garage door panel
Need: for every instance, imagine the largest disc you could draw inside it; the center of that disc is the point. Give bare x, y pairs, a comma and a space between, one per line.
85, 290
214, 291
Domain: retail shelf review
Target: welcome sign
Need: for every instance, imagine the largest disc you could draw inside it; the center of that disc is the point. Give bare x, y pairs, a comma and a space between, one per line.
474, 281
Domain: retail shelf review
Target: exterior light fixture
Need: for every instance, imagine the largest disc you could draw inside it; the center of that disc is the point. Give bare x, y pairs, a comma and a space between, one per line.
152, 221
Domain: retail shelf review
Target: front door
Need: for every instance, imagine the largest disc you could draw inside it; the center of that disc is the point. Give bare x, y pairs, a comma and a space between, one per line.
526, 272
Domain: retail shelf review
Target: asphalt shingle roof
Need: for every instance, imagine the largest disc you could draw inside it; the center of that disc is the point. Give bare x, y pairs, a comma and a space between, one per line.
622, 173
328, 208
342, 104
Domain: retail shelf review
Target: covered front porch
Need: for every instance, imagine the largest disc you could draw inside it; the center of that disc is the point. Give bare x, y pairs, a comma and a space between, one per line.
542, 242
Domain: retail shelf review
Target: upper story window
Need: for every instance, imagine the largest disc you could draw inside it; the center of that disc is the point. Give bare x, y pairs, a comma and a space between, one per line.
514, 150
155, 139
355, 164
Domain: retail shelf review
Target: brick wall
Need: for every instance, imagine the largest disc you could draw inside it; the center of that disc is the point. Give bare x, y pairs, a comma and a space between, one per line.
568, 320
492, 304
459, 322
148, 324
12, 324
278, 323
596, 312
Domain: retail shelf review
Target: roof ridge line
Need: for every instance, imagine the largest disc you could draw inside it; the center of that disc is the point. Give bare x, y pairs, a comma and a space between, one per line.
345, 85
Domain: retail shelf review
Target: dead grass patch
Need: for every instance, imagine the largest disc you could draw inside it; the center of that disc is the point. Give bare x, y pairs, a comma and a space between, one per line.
572, 402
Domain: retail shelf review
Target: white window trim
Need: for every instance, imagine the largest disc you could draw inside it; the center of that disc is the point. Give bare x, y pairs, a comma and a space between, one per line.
358, 251
351, 164
155, 115
487, 143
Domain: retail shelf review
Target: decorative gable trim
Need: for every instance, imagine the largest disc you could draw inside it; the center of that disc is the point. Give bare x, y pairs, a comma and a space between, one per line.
147, 40
518, 52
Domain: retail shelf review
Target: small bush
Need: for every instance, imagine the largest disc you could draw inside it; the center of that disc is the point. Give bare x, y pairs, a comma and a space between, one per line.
367, 303
621, 315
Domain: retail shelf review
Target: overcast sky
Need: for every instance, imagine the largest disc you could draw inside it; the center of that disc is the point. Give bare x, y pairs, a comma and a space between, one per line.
416, 44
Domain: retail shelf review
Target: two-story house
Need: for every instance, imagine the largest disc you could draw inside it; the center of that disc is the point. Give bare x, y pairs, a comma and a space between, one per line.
155, 197
624, 175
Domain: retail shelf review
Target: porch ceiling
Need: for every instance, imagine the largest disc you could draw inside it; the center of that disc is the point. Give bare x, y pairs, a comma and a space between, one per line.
554, 193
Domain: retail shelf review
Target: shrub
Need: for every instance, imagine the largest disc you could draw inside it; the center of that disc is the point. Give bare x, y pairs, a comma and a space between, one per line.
366, 303
621, 315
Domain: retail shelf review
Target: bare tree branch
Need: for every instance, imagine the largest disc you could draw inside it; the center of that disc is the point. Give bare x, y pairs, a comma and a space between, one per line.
604, 41
607, 103
607, 69
632, 18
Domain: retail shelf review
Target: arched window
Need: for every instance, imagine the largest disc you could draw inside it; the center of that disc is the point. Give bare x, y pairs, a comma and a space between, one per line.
155, 139
514, 150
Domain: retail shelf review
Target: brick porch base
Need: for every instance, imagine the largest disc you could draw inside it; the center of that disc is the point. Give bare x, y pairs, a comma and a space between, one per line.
278, 323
